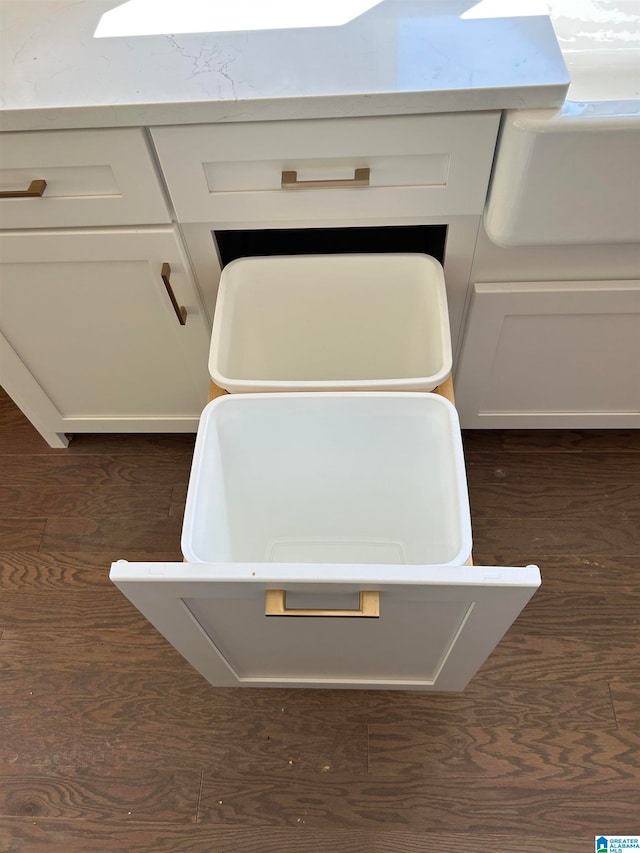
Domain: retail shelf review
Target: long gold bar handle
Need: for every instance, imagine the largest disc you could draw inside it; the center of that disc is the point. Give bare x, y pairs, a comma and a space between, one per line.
181, 311
360, 179
276, 605
34, 190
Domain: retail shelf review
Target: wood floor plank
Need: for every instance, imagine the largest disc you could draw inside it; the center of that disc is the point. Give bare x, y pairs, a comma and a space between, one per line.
107, 501
160, 692
91, 837
10, 415
17, 435
514, 536
579, 596
22, 533
61, 649
112, 534
571, 469
60, 468
551, 440
85, 610
524, 756
178, 500
420, 804
40, 571
590, 575
538, 660
254, 748
625, 695
538, 500
140, 793
150, 444
23, 441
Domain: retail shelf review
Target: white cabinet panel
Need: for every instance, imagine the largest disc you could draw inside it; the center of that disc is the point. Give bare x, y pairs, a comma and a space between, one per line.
551, 354
91, 340
419, 166
93, 177
436, 625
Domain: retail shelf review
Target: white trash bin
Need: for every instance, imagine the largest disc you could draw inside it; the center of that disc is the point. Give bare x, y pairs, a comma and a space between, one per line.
331, 323
350, 478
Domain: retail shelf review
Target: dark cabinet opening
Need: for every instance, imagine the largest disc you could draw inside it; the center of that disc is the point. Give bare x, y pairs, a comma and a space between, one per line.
428, 239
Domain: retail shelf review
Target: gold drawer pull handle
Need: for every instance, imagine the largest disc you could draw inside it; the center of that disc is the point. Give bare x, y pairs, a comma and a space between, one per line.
360, 179
276, 605
34, 190
181, 311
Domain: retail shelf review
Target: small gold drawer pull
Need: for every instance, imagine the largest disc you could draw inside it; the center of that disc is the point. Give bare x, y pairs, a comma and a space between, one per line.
276, 605
360, 179
34, 190
181, 311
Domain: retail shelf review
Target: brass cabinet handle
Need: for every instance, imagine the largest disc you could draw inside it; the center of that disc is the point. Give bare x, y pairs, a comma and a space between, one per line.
181, 311
34, 190
360, 179
276, 605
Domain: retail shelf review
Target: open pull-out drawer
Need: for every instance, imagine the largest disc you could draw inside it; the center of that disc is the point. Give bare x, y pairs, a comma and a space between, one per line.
309, 625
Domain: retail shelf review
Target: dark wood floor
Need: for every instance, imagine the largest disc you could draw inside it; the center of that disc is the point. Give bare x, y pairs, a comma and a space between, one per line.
111, 743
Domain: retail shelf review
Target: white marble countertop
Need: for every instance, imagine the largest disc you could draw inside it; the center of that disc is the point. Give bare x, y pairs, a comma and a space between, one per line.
400, 56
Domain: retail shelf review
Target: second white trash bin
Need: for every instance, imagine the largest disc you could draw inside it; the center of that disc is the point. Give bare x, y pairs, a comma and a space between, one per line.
371, 322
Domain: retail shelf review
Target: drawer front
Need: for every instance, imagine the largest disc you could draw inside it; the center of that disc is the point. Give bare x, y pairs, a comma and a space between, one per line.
360, 169
92, 177
421, 627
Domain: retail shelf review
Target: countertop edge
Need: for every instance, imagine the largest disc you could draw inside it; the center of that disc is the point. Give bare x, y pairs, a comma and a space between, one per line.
280, 109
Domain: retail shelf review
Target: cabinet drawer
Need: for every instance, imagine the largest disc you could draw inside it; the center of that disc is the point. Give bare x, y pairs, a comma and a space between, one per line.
409, 167
434, 627
93, 177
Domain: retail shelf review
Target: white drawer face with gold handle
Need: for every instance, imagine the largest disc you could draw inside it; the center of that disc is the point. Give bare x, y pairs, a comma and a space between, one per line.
361, 169
61, 179
375, 627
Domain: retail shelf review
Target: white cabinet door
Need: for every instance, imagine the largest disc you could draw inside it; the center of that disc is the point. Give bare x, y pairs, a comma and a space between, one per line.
551, 354
89, 338
435, 626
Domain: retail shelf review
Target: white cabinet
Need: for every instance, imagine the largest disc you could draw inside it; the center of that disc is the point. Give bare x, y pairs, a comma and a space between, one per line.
559, 354
552, 333
89, 338
91, 177
428, 627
